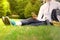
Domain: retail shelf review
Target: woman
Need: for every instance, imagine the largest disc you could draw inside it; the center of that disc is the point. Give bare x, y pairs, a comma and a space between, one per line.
43, 15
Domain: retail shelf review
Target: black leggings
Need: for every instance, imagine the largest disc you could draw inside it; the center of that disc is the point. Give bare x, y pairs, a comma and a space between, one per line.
31, 21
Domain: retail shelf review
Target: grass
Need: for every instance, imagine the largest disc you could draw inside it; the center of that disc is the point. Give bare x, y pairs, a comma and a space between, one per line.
29, 32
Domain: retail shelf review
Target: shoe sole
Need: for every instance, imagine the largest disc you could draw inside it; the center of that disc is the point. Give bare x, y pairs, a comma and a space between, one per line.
6, 21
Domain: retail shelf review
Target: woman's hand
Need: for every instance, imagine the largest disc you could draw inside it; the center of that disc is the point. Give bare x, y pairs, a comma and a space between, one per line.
34, 16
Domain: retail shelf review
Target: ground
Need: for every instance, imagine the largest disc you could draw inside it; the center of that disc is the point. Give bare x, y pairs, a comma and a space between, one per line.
28, 32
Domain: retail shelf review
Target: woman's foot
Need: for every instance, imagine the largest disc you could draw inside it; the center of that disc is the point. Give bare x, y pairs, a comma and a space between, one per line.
6, 20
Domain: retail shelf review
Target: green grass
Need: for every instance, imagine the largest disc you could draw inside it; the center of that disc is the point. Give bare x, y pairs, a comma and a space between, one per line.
29, 32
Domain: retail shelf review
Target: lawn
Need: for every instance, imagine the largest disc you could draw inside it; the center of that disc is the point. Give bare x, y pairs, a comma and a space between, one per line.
29, 32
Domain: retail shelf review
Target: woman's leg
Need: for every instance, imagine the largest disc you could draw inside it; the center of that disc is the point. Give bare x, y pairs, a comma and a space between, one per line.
31, 21
24, 22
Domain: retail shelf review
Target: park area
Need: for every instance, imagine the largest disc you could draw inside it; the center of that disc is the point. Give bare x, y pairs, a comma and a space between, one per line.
28, 32
22, 9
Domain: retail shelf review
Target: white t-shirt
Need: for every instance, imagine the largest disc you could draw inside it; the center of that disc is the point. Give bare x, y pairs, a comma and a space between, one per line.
46, 10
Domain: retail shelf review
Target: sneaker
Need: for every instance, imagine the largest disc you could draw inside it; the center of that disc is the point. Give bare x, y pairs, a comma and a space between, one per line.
6, 20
